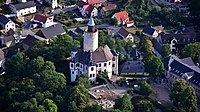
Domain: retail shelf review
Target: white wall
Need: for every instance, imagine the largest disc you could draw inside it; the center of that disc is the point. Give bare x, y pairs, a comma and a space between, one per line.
10, 25
26, 11
90, 41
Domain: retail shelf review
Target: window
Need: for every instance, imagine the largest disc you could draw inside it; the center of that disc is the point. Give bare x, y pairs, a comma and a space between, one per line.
92, 68
77, 65
93, 75
81, 66
113, 59
104, 64
72, 65
100, 65
109, 63
86, 68
113, 65
90, 75
73, 72
80, 72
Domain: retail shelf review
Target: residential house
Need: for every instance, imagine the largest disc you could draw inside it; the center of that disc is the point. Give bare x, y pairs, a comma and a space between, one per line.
24, 8
10, 38
150, 32
28, 41
6, 24
185, 68
44, 20
93, 60
122, 18
106, 7
72, 34
156, 47
49, 32
124, 34
174, 39
131, 68
79, 30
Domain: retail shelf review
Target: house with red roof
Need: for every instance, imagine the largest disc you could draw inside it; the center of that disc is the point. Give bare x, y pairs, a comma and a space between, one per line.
44, 20
123, 18
89, 7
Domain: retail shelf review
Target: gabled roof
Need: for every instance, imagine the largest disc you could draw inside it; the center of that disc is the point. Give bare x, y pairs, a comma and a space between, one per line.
102, 54
107, 6
83, 57
188, 61
132, 67
123, 32
41, 18
3, 19
157, 46
95, 1
24, 5
51, 31
1, 55
29, 40
71, 33
148, 30
10, 53
123, 15
134, 53
79, 30
10, 32
81, 3
88, 8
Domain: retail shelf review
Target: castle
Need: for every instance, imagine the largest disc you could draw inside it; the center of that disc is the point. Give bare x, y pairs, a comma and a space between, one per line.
93, 60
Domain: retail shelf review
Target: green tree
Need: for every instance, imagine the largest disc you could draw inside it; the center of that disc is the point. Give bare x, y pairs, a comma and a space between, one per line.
194, 11
145, 106
50, 106
154, 66
83, 79
183, 97
191, 50
165, 50
16, 65
145, 89
123, 103
93, 108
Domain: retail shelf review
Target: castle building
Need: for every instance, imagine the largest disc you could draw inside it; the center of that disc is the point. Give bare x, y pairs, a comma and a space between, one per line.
93, 60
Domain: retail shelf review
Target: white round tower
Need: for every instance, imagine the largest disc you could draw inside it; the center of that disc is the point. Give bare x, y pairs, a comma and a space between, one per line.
90, 42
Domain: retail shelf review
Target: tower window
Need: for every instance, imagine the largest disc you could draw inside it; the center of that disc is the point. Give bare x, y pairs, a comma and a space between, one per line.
92, 68
100, 65
72, 65
113, 65
105, 64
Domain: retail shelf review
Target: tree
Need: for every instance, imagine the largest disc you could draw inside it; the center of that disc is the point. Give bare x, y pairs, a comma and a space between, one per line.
114, 21
145, 106
123, 103
16, 65
50, 106
165, 50
183, 97
145, 89
146, 47
154, 66
191, 50
194, 11
93, 108
83, 79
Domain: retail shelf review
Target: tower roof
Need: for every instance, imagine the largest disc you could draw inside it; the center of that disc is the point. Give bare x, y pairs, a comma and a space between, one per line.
91, 22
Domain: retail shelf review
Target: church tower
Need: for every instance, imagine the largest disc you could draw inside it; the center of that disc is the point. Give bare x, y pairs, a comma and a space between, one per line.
90, 42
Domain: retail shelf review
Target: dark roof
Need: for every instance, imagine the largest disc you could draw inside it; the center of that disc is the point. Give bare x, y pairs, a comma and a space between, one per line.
195, 79
10, 32
83, 57
132, 67
148, 30
181, 38
71, 33
188, 61
9, 38
51, 31
78, 30
114, 52
1, 55
10, 53
123, 32
74, 48
24, 5
29, 40
134, 53
3, 20
157, 46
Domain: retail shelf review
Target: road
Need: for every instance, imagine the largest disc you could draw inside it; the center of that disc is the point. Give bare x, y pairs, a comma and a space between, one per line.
57, 11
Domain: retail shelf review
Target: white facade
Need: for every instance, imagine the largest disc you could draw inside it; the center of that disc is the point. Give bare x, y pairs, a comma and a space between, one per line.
9, 25
21, 0
49, 22
54, 4
90, 42
23, 12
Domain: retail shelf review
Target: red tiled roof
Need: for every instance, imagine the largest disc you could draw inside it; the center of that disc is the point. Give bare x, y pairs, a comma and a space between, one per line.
107, 6
123, 15
42, 18
88, 8
129, 22
94, 1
